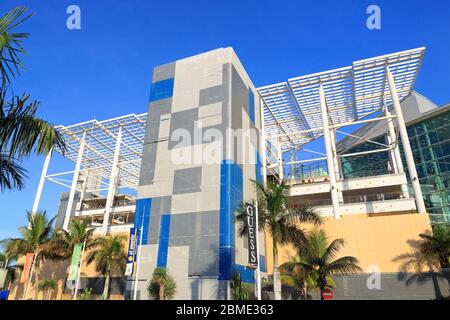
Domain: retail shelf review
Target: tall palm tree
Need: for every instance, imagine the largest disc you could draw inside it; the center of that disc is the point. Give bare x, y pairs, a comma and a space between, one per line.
63, 241
22, 133
35, 238
109, 256
162, 285
318, 260
281, 220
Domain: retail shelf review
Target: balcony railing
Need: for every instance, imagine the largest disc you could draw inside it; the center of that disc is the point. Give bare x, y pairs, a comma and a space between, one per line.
101, 203
373, 197
116, 219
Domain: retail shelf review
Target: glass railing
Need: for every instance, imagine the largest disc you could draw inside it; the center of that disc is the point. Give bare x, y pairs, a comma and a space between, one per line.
355, 199
373, 197
365, 173
309, 172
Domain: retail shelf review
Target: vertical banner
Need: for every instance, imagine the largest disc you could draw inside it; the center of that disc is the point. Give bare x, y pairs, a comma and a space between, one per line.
74, 263
131, 257
27, 267
252, 234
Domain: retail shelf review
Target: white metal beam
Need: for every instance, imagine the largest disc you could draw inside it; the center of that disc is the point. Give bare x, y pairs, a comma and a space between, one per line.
74, 184
329, 153
112, 182
37, 198
405, 143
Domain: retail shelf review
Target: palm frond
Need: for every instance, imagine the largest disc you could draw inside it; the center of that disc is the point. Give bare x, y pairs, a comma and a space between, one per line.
22, 133
305, 214
345, 266
333, 249
11, 47
12, 175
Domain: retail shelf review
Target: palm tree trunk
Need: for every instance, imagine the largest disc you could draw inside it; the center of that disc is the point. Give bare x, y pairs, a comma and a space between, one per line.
321, 294
36, 282
276, 273
106, 287
305, 292
161, 292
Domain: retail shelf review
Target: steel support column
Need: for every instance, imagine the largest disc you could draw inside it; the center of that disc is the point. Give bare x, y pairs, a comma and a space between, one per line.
336, 162
329, 154
112, 182
73, 187
405, 143
263, 142
37, 198
395, 152
280, 159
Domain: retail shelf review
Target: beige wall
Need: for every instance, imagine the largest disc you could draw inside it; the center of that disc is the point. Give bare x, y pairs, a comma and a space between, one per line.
373, 240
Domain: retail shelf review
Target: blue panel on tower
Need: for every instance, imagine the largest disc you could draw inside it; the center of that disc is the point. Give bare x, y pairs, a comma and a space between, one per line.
262, 263
258, 168
142, 217
231, 195
251, 105
161, 90
163, 241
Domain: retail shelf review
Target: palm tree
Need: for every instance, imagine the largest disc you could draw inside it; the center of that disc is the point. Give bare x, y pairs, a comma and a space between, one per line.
298, 274
109, 256
281, 220
428, 257
21, 132
64, 241
162, 285
47, 286
318, 260
36, 237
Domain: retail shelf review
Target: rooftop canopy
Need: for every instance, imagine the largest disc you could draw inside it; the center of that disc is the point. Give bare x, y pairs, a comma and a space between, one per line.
100, 143
291, 111
292, 108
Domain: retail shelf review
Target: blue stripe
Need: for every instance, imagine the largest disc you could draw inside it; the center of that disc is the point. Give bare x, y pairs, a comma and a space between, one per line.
247, 275
258, 168
251, 105
161, 89
262, 263
143, 210
231, 195
163, 248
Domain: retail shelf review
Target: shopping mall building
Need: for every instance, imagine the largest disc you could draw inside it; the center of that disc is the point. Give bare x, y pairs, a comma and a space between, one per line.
358, 143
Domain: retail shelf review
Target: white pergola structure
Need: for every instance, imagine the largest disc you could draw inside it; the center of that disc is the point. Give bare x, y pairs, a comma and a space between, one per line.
107, 153
305, 108
294, 113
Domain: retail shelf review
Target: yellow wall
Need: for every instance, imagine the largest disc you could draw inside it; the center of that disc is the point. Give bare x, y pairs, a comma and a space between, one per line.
373, 240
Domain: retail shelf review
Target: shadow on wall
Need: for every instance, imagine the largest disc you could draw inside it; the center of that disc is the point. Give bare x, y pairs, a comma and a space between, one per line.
417, 268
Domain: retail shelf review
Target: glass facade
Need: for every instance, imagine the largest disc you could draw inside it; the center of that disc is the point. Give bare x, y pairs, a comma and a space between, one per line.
430, 143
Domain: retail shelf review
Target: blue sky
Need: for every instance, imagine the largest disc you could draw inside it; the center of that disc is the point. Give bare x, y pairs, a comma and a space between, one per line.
104, 69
